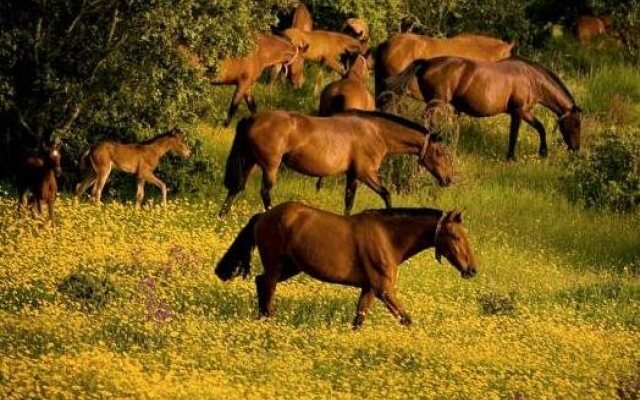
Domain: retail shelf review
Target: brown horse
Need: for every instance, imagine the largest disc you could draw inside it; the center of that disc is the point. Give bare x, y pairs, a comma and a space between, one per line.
395, 54
37, 174
348, 93
364, 250
243, 72
302, 18
481, 89
134, 158
587, 27
323, 47
353, 143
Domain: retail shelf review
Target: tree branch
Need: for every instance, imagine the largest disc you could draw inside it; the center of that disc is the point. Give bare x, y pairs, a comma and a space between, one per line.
77, 18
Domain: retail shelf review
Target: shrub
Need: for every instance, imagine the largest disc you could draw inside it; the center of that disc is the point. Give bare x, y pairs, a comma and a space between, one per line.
608, 176
90, 291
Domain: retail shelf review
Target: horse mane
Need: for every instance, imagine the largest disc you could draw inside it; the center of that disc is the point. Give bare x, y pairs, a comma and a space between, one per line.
552, 76
405, 212
159, 136
389, 117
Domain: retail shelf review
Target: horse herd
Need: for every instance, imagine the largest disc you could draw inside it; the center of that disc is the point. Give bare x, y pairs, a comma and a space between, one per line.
476, 75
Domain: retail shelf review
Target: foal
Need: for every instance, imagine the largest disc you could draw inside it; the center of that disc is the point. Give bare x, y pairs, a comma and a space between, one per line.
140, 159
38, 176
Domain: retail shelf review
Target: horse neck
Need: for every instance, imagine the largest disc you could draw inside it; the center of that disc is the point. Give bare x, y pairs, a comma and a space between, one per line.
160, 147
555, 97
401, 139
411, 235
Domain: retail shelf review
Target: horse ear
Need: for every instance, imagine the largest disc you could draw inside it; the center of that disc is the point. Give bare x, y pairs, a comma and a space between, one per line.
576, 109
458, 216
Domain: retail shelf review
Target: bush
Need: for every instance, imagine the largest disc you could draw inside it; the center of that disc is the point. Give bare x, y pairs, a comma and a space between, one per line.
608, 176
91, 292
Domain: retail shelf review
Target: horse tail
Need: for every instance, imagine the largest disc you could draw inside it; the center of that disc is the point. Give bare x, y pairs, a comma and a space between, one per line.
398, 84
379, 72
240, 158
82, 162
237, 260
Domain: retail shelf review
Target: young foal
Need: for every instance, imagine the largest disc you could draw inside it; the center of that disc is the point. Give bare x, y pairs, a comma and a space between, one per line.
38, 176
481, 89
140, 159
364, 250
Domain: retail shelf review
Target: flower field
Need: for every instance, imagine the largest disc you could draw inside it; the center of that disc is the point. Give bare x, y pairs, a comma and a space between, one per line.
119, 303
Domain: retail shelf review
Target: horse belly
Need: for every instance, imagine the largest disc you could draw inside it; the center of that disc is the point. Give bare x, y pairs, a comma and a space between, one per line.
318, 160
332, 264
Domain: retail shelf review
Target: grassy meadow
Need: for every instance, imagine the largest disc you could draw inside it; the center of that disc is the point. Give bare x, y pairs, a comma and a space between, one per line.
119, 303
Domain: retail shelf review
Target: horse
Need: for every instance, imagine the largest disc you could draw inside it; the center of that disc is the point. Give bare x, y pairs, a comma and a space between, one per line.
243, 72
37, 174
363, 251
482, 89
587, 27
325, 47
353, 143
140, 159
348, 93
395, 54
302, 18
358, 28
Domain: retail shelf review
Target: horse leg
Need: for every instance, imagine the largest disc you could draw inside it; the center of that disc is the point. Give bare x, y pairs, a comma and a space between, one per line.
233, 107
87, 181
50, 202
140, 192
152, 179
334, 65
537, 125
101, 181
516, 119
268, 179
373, 182
350, 193
251, 103
366, 298
266, 288
394, 305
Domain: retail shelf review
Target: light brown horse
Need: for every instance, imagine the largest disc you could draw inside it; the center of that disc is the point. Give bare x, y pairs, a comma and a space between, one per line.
140, 159
395, 54
37, 175
348, 93
587, 27
243, 72
353, 143
323, 47
363, 251
482, 89
302, 18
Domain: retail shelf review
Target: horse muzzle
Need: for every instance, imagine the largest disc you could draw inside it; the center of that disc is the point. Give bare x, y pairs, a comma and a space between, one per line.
468, 274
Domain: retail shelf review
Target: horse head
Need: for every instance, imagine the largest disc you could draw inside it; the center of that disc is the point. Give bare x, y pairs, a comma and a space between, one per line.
451, 240
54, 157
179, 142
569, 124
433, 156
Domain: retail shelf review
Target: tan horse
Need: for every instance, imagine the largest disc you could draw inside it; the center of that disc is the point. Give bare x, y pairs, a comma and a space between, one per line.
482, 89
587, 27
348, 93
323, 47
243, 72
362, 251
394, 55
354, 143
135, 158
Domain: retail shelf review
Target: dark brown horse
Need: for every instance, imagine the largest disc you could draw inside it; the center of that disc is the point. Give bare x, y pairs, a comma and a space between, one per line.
140, 159
37, 175
363, 251
481, 89
396, 53
354, 143
243, 72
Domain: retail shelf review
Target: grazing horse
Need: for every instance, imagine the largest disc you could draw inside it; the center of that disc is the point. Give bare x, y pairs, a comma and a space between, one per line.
37, 174
395, 54
587, 27
481, 89
353, 143
323, 47
243, 72
133, 158
363, 251
348, 93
